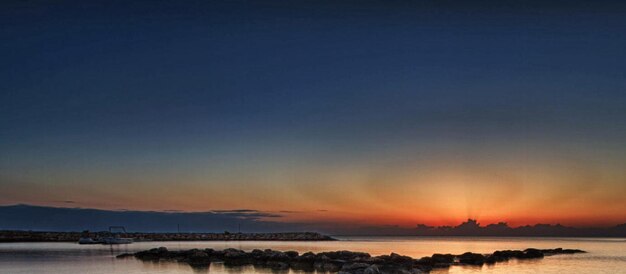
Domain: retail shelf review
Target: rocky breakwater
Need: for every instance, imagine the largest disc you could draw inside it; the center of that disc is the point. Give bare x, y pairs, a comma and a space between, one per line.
282, 236
343, 262
43, 236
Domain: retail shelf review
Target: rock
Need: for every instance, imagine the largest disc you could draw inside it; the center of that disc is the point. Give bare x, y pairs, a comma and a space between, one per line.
532, 253
344, 261
219, 254
344, 255
373, 269
236, 257
426, 261
199, 258
442, 258
300, 265
277, 256
232, 253
277, 265
557, 251
354, 266
125, 255
153, 254
374, 260
472, 258
307, 257
400, 260
332, 266
572, 251
490, 259
505, 255
318, 265
257, 254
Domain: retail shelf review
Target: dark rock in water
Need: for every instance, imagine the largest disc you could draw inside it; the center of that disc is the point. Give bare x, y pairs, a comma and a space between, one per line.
277, 265
442, 258
274, 255
532, 253
472, 258
234, 254
153, 254
354, 266
307, 257
371, 270
125, 255
505, 255
399, 259
490, 259
305, 266
558, 251
332, 266
344, 262
199, 258
427, 261
344, 255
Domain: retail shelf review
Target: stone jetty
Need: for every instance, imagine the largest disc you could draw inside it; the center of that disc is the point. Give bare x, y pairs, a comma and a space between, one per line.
39, 236
342, 262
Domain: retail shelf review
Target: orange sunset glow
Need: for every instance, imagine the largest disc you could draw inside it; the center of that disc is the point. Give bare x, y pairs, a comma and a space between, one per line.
523, 187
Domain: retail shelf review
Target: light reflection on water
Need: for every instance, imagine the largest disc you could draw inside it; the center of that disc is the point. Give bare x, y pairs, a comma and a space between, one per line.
605, 255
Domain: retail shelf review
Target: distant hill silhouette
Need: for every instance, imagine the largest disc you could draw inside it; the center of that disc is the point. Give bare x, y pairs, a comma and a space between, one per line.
473, 228
40, 218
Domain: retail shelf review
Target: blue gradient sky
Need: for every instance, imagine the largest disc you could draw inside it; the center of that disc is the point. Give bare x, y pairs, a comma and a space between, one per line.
364, 109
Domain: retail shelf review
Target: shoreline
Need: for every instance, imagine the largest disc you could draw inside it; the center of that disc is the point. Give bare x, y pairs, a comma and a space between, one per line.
24, 236
342, 262
12, 236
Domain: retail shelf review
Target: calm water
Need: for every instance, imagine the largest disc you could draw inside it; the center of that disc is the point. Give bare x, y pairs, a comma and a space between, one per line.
605, 255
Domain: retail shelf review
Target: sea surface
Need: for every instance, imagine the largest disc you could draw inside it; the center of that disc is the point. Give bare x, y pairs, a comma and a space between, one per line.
604, 255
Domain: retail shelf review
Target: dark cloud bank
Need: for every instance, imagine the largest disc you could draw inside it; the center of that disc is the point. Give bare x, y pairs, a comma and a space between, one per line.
39, 218
28, 217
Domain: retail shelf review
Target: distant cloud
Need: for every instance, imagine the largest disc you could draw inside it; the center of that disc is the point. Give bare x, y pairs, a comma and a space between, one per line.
65, 202
236, 211
248, 214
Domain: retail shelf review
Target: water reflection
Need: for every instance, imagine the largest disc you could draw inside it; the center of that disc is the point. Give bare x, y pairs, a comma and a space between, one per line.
605, 255
200, 269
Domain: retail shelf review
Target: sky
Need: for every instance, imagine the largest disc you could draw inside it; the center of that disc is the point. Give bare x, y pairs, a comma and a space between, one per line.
360, 112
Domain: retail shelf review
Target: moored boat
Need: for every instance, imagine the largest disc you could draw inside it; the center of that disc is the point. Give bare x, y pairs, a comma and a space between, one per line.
115, 240
88, 241
107, 238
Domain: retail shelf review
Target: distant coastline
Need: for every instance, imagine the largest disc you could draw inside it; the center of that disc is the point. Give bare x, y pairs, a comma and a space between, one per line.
50, 236
205, 225
471, 228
